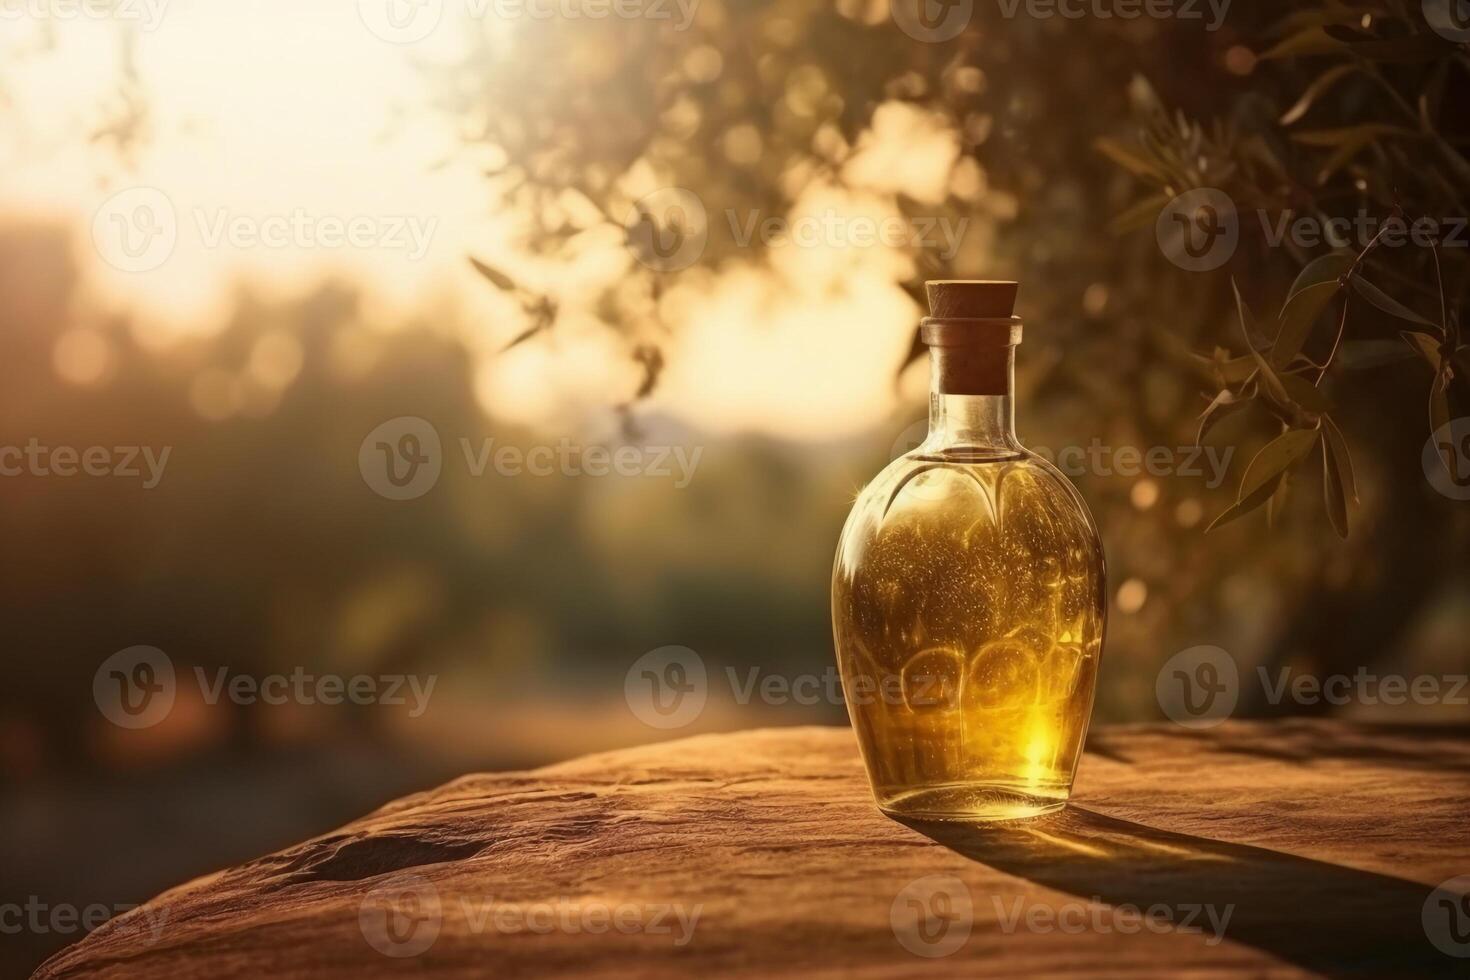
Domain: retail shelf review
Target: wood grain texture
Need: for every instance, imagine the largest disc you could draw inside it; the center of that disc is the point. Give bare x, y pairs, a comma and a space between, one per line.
760, 854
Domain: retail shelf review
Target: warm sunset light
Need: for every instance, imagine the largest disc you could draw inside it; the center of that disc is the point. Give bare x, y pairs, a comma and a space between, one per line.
734, 488
323, 110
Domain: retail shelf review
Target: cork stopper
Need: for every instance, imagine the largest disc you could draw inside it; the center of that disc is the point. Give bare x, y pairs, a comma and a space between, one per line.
972, 299
972, 329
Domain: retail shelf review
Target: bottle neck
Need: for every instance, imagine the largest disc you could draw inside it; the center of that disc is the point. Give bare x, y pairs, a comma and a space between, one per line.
971, 421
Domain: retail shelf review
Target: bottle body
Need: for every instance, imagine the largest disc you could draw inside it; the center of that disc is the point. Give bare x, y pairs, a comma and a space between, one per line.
969, 604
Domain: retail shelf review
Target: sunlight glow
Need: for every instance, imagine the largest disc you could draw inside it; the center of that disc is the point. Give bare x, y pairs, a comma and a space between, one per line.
267, 132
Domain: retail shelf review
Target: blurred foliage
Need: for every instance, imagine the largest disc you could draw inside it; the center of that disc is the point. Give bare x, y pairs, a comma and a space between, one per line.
1351, 108
1326, 110
1374, 129
263, 549
757, 103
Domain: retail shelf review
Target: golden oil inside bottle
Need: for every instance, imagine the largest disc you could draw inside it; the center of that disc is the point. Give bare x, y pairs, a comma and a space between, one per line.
968, 607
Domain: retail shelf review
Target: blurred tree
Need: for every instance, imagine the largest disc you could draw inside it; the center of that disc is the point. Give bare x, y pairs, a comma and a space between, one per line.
1333, 109
1344, 166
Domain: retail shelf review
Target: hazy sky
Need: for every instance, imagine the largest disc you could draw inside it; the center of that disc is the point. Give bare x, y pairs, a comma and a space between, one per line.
285, 142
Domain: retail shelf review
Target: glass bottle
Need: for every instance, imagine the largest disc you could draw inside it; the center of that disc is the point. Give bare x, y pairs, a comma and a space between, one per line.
968, 595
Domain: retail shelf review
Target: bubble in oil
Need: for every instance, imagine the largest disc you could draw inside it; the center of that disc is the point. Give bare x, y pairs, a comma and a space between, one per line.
931, 680
1002, 675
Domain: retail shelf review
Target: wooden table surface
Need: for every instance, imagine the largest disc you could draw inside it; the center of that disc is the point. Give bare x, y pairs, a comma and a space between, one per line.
1250, 849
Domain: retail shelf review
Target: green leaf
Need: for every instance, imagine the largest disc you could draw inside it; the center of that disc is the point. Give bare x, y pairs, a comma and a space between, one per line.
1341, 458
1275, 458
1234, 370
1134, 163
1264, 475
1298, 20
1269, 379
1313, 289
1332, 493
1360, 355
1325, 268
1385, 302
1439, 401
1348, 143
524, 335
1305, 394
500, 279
1317, 17
1298, 316
1320, 85
1244, 506
1222, 406
1276, 503
1361, 134
1426, 345
1223, 369
1312, 40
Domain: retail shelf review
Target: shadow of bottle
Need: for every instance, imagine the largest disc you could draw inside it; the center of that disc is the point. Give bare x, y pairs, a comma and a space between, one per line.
1330, 919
